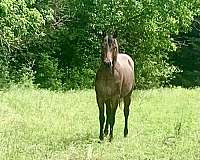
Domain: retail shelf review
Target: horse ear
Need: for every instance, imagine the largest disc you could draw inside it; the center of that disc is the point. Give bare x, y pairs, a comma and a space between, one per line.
103, 34
115, 34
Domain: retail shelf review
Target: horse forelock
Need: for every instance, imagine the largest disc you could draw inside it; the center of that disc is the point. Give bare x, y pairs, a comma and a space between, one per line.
110, 40
112, 43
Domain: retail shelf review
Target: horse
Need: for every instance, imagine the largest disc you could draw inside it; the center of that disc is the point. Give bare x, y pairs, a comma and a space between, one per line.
115, 81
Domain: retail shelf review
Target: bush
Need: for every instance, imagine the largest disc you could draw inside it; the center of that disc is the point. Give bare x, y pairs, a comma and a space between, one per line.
78, 78
59, 40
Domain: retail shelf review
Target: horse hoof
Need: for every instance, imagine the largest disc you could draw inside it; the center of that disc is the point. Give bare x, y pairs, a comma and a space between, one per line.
125, 133
110, 139
106, 132
101, 138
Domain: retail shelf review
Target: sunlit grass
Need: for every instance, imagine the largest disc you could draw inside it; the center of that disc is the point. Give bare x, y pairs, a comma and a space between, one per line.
41, 124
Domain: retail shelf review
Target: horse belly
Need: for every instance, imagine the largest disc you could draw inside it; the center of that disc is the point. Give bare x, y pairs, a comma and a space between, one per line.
126, 68
126, 89
127, 85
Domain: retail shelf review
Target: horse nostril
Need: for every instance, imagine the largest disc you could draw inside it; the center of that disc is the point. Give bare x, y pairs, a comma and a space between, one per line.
108, 63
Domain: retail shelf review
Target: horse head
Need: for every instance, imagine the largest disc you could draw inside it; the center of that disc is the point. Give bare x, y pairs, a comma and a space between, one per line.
109, 50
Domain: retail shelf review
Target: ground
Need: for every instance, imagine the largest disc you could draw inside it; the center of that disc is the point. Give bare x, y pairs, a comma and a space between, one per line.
41, 124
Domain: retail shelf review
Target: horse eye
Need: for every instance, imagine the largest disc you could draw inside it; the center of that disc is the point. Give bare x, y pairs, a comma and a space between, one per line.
103, 48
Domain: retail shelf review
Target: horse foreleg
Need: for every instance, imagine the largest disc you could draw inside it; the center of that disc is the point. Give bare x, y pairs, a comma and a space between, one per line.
101, 117
114, 104
127, 101
107, 117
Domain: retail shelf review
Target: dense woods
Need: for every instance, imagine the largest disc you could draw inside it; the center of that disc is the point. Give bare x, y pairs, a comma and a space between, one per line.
56, 44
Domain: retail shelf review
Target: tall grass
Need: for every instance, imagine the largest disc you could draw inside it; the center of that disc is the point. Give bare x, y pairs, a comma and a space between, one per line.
41, 124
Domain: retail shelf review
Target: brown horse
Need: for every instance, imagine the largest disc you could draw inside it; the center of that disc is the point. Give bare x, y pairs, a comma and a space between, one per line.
114, 81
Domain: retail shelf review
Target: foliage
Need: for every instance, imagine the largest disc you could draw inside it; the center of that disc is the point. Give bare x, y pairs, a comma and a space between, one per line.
79, 78
18, 23
187, 58
60, 40
145, 29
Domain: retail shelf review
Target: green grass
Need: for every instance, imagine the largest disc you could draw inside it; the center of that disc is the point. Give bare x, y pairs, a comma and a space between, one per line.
40, 124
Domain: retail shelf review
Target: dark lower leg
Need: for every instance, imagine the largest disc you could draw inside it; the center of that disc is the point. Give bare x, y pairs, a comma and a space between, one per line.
107, 117
112, 119
126, 114
101, 120
112, 122
127, 101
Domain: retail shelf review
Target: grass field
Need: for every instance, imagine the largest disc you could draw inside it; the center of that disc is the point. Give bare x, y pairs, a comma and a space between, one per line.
40, 124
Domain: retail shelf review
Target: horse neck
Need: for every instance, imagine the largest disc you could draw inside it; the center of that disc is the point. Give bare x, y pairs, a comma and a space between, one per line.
114, 63
108, 71
116, 53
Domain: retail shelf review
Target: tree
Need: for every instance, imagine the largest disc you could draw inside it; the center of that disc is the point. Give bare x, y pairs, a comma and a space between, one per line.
146, 29
61, 39
20, 21
187, 57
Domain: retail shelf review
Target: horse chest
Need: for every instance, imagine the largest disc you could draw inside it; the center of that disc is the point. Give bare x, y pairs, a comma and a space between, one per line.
108, 86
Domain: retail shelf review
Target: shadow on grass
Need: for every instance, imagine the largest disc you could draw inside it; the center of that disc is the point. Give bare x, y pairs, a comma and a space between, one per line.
79, 139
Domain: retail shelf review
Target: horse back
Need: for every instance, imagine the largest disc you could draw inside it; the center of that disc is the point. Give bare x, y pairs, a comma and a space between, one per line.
125, 60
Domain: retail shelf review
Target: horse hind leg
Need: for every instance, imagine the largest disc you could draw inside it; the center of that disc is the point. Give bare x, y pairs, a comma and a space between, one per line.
108, 110
127, 101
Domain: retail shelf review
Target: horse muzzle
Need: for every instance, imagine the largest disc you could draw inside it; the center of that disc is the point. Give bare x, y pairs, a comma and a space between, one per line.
108, 63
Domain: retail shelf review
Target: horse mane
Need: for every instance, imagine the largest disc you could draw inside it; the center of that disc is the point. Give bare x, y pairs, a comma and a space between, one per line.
116, 53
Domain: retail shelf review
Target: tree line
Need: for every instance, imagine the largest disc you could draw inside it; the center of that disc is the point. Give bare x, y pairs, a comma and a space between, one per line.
57, 44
